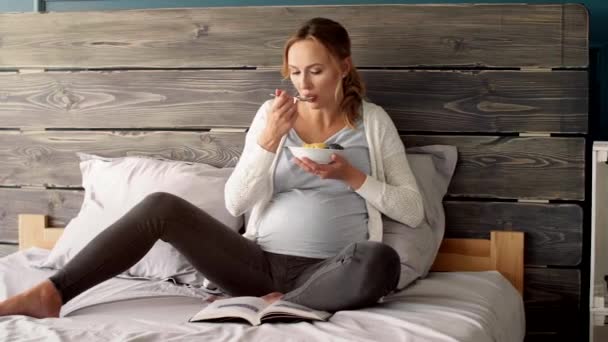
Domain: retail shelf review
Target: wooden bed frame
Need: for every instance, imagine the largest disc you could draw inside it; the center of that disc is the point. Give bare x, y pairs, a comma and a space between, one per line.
504, 252
507, 84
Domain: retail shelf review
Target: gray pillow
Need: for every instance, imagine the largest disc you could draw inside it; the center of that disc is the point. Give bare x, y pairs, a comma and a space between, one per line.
433, 167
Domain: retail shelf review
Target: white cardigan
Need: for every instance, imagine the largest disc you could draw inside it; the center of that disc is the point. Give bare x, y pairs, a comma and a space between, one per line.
391, 189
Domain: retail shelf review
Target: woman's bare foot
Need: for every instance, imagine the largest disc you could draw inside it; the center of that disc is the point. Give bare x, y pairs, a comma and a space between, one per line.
41, 301
272, 297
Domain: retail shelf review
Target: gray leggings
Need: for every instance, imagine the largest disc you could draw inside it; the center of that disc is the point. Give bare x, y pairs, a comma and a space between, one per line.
357, 277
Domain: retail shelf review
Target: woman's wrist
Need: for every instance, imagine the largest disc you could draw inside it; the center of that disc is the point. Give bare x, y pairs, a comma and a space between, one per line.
269, 144
355, 178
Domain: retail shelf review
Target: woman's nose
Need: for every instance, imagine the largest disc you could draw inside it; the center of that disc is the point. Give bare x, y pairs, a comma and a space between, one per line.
305, 82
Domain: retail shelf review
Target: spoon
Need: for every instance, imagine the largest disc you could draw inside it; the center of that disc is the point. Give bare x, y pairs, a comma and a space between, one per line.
298, 97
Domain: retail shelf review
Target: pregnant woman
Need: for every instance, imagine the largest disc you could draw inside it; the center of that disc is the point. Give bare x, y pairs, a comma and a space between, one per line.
314, 232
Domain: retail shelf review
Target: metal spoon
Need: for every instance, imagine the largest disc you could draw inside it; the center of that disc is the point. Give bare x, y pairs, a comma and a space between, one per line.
298, 97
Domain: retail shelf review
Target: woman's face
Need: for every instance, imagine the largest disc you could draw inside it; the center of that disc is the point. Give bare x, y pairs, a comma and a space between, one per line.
313, 73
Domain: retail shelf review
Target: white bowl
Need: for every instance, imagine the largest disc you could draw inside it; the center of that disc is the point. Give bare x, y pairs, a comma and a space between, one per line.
318, 155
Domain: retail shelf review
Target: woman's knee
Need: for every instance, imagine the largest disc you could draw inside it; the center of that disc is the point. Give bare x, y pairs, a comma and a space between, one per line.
161, 203
379, 259
376, 252
161, 199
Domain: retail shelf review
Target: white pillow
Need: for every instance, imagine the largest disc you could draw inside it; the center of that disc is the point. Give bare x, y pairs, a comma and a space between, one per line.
114, 185
433, 167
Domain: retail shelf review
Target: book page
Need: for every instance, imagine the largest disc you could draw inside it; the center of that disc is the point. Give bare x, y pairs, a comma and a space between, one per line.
282, 308
248, 308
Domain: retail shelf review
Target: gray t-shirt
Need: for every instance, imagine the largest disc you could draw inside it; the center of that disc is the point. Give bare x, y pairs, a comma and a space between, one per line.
313, 217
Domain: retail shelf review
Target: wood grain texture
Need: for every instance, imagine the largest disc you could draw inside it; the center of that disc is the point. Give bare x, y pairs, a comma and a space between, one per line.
49, 158
419, 101
499, 167
507, 256
552, 298
60, 205
504, 35
437, 101
135, 99
575, 23
514, 167
487, 101
553, 232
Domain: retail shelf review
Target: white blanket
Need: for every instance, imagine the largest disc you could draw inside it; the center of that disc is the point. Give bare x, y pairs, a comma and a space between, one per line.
455, 306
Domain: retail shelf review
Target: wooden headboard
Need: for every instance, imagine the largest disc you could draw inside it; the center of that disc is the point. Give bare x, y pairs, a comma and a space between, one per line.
503, 252
506, 84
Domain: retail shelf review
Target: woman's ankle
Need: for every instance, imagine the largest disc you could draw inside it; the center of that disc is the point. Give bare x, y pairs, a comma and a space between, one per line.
50, 298
40, 301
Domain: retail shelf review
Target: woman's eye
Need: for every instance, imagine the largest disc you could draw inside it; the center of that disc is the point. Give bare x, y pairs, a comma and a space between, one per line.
315, 72
295, 73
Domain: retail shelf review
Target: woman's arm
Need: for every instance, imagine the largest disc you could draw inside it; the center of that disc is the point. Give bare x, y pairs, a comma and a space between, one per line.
398, 197
249, 182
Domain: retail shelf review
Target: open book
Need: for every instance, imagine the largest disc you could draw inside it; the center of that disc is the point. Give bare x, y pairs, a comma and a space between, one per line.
256, 311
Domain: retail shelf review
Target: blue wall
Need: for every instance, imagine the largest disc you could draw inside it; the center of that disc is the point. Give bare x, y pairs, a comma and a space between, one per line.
598, 10
16, 5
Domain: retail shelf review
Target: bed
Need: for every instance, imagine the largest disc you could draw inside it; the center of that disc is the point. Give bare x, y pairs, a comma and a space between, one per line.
473, 294
505, 83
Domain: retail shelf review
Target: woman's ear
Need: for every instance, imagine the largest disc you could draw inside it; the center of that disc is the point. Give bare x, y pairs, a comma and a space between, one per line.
347, 65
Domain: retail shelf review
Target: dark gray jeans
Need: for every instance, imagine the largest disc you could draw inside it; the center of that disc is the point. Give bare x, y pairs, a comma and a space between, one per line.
357, 277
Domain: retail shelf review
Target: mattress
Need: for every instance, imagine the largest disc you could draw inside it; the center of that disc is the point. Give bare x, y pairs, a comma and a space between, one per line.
445, 306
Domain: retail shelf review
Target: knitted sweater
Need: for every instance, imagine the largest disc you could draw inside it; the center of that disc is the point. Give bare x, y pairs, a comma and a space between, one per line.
391, 189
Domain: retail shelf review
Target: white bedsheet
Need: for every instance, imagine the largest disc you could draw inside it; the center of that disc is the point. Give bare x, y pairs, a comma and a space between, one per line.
455, 306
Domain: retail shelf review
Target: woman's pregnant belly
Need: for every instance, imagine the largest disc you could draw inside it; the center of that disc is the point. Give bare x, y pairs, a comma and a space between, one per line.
312, 223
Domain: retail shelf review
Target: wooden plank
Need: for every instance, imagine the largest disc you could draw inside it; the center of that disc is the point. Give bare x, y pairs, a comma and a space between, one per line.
552, 287
575, 21
552, 301
49, 158
463, 255
504, 252
135, 99
474, 247
514, 167
487, 101
553, 232
34, 232
464, 263
455, 101
60, 205
492, 167
500, 35
507, 256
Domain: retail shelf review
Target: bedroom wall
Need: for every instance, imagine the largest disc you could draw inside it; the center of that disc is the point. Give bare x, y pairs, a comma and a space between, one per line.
598, 31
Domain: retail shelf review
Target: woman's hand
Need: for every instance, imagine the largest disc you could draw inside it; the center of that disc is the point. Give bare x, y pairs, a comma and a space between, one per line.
272, 297
282, 116
339, 168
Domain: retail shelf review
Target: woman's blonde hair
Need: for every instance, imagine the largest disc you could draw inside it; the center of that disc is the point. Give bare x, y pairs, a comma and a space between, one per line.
335, 39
